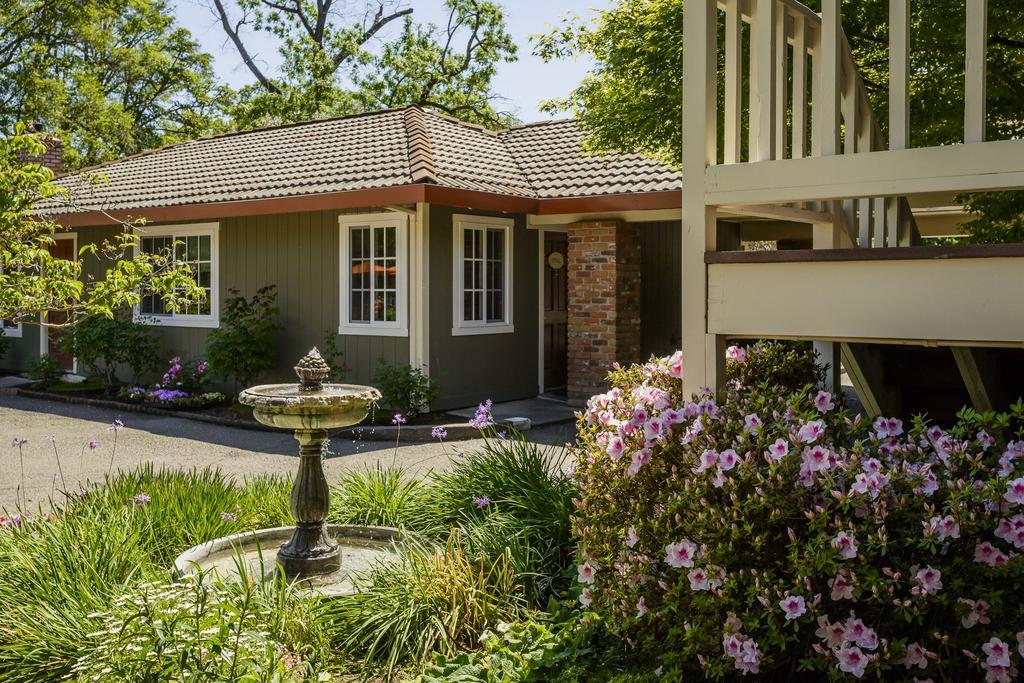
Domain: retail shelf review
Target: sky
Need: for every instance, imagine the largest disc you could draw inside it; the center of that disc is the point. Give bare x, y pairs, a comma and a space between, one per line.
526, 83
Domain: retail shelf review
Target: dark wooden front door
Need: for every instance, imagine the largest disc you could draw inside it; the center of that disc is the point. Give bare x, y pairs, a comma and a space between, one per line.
63, 248
556, 322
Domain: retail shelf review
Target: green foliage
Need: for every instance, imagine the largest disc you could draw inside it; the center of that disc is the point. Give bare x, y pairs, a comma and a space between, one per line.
60, 573
549, 646
327, 70
432, 599
333, 356
1000, 217
243, 346
46, 370
5, 341
789, 366
103, 344
376, 496
690, 539
109, 77
404, 389
34, 282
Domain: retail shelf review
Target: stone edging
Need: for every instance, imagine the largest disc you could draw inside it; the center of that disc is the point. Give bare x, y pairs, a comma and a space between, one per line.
459, 431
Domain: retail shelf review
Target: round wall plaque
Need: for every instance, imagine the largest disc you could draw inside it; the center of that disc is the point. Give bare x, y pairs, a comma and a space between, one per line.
556, 260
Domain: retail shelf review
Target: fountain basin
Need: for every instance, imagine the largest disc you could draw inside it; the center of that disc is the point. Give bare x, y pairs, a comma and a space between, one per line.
288, 406
361, 548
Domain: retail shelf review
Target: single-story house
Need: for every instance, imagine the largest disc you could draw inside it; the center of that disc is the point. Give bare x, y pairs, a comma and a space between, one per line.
505, 264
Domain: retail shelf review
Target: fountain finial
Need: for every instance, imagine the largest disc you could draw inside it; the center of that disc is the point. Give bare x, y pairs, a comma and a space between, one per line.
312, 371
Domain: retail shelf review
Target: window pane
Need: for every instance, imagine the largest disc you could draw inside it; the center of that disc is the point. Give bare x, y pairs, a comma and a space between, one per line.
356, 236
390, 307
496, 313
478, 305
378, 305
204, 307
378, 242
467, 306
390, 239
495, 243
391, 272
478, 274
204, 247
357, 314
467, 244
204, 275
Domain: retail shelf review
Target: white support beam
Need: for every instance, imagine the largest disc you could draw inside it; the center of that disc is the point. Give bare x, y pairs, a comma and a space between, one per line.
799, 87
974, 71
995, 165
700, 56
827, 75
781, 81
956, 301
779, 212
762, 82
899, 59
733, 82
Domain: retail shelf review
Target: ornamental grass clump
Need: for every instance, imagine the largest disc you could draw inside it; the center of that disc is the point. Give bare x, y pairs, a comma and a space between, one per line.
770, 534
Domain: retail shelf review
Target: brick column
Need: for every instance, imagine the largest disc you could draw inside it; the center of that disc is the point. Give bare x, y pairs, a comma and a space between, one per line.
604, 303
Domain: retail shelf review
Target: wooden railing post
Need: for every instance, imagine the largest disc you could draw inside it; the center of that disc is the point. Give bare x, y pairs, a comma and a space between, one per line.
974, 71
762, 81
703, 365
733, 82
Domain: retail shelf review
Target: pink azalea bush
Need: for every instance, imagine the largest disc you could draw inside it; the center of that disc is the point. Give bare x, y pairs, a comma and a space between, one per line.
803, 542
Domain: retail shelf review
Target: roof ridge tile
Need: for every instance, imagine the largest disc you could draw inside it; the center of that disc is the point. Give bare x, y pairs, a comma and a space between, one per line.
421, 152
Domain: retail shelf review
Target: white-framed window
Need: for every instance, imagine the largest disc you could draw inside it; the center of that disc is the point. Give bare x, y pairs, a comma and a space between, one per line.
11, 330
196, 245
481, 275
374, 272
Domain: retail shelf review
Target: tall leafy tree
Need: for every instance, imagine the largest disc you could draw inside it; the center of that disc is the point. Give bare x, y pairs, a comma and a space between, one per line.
328, 66
631, 99
111, 77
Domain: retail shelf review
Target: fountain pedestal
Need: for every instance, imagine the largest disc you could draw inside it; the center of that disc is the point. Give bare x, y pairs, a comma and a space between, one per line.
310, 551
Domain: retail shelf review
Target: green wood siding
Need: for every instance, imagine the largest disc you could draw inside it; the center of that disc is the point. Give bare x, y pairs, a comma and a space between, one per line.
660, 291
470, 369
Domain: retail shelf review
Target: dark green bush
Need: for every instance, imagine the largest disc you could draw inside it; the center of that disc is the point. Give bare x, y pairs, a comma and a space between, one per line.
45, 370
791, 366
243, 346
104, 344
404, 389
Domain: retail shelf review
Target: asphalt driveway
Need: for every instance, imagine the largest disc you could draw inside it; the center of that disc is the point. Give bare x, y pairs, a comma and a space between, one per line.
62, 430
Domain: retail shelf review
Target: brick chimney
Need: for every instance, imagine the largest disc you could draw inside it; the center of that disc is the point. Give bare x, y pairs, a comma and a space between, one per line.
52, 158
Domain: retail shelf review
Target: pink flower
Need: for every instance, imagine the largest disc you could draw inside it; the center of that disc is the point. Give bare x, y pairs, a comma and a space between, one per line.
698, 580
811, 431
736, 353
930, 580
977, 613
778, 450
641, 608
655, 430
833, 634
854, 631
631, 537
943, 527
1020, 643
793, 606
1011, 530
639, 459
680, 554
841, 588
752, 423
675, 364
615, 448
1015, 491
817, 458
846, 544
586, 572
586, 597
852, 660
886, 427
708, 459
823, 402
727, 459
986, 553
998, 653
915, 656
996, 674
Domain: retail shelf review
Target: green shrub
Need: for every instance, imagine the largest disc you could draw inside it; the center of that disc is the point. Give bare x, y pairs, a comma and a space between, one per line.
46, 370
333, 356
793, 366
243, 346
376, 496
103, 344
771, 534
404, 389
5, 340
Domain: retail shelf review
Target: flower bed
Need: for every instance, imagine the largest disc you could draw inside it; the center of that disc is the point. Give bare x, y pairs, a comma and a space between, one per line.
771, 534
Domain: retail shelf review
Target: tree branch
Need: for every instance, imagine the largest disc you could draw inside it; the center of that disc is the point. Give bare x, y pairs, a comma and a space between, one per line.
237, 40
379, 22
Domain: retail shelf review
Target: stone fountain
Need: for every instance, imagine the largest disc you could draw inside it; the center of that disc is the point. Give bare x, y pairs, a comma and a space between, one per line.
319, 555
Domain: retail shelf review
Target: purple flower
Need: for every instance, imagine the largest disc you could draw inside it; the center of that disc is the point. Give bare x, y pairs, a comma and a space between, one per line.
228, 516
439, 433
503, 435
482, 501
482, 418
140, 500
201, 367
459, 454
398, 419
93, 444
115, 426
168, 394
18, 442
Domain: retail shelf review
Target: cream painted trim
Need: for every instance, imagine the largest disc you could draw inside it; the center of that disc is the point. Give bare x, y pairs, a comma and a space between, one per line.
419, 274
460, 327
44, 332
954, 302
211, 321
563, 219
400, 327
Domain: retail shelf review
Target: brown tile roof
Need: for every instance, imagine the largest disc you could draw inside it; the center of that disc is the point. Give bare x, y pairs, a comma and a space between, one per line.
366, 151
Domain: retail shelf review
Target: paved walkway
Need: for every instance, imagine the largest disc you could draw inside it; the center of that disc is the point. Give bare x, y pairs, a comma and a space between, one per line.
176, 442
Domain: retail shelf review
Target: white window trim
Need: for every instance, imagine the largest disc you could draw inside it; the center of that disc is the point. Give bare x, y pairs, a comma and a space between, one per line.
13, 332
462, 327
210, 321
375, 328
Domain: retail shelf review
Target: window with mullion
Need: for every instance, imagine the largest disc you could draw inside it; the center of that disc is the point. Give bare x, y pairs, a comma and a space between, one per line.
483, 283
373, 260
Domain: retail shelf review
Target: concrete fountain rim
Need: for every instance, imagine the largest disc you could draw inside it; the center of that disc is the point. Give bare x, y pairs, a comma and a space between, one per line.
291, 396
189, 561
